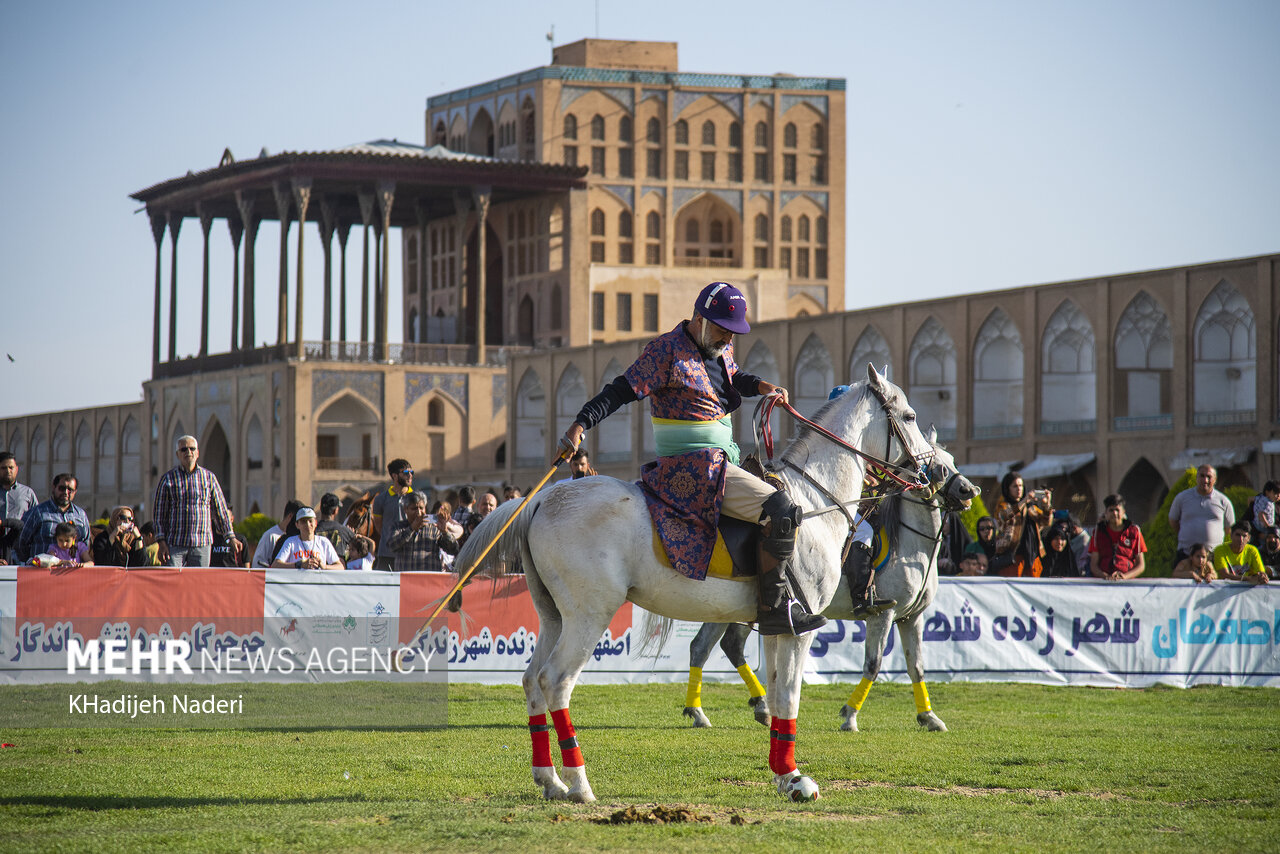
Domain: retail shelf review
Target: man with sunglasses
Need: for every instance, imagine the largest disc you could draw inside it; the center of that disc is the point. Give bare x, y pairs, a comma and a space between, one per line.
189, 509
388, 511
38, 525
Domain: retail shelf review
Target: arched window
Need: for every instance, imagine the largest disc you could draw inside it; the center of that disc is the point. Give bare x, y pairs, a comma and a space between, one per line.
1068, 382
789, 135
654, 131
130, 456
625, 132
997, 379
735, 135
1143, 381
570, 126
254, 447
682, 132
822, 230
802, 228
760, 362
932, 366
441, 135
597, 223
347, 432
817, 140
38, 472
762, 134
814, 376
717, 231
1225, 359
571, 393
624, 223
691, 232
708, 133
435, 412
762, 227
870, 348
597, 127
107, 457
786, 228
653, 225
531, 411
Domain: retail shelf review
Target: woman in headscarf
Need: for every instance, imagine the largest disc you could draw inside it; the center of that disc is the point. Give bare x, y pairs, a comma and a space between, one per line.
1018, 545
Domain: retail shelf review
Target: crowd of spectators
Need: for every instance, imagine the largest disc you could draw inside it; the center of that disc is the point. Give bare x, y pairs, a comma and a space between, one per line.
193, 525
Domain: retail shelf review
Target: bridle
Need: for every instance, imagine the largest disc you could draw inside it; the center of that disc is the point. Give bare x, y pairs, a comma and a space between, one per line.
911, 476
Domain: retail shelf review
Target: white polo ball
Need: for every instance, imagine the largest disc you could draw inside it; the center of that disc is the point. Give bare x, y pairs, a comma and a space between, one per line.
802, 789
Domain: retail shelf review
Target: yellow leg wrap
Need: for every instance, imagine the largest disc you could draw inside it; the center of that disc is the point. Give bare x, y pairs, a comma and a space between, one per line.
749, 676
922, 697
859, 695
693, 696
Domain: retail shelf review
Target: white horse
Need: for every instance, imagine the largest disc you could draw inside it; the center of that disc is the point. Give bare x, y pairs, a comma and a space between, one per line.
910, 577
587, 547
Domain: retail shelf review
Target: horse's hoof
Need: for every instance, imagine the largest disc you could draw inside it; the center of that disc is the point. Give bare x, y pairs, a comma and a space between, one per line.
579, 789
796, 787
553, 789
760, 706
699, 717
850, 722
931, 722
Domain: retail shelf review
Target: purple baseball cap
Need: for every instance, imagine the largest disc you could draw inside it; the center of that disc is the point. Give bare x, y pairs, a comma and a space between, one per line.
725, 306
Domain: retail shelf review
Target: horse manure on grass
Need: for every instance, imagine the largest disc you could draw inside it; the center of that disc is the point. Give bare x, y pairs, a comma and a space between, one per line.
658, 815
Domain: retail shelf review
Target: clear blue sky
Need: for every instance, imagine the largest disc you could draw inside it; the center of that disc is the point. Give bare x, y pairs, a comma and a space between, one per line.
991, 144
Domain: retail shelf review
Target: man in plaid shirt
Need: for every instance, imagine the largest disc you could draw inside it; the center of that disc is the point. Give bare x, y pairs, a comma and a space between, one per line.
416, 542
189, 508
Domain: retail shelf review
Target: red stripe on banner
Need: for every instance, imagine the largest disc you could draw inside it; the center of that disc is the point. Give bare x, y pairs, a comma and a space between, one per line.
89, 597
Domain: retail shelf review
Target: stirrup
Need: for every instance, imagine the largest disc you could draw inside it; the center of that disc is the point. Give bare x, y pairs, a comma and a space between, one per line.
788, 619
863, 610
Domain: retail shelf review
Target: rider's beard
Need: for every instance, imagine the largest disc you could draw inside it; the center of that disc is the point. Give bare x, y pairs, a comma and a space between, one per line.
707, 347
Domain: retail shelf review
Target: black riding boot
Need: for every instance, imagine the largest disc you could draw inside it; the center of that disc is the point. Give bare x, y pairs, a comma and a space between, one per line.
780, 613
862, 584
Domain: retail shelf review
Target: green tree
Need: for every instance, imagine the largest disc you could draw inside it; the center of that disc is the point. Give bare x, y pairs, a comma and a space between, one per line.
253, 526
970, 517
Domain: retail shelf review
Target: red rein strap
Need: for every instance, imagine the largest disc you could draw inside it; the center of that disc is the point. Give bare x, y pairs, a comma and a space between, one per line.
766, 438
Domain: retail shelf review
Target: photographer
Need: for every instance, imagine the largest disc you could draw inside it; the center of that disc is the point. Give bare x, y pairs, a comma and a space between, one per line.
1018, 545
121, 543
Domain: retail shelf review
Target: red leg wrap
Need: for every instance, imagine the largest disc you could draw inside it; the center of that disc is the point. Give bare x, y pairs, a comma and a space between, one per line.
570, 753
782, 755
773, 743
541, 735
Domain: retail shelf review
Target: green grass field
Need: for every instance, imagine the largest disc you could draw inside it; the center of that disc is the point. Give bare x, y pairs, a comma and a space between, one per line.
1023, 768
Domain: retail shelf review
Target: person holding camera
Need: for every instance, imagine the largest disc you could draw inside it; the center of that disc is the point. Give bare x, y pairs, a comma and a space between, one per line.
121, 543
1019, 517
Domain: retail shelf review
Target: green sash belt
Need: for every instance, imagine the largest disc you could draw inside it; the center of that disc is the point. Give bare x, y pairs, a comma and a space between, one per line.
672, 436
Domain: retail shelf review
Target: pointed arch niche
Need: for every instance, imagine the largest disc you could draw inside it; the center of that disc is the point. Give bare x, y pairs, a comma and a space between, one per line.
613, 435
1225, 372
997, 379
870, 347
1068, 380
708, 233
531, 414
1142, 385
933, 378
761, 362
348, 435
814, 376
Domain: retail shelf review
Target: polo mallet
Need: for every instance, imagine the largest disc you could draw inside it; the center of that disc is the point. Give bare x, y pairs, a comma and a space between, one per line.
426, 627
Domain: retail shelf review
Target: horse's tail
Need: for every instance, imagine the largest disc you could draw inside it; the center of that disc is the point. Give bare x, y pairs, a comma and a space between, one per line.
655, 631
507, 551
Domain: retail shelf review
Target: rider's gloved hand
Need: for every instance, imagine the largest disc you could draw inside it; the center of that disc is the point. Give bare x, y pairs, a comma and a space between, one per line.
571, 439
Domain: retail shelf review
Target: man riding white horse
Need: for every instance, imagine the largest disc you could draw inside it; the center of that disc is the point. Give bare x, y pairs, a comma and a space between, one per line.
693, 384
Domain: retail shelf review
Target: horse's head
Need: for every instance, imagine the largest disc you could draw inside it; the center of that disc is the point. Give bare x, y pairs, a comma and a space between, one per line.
954, 489
905, 444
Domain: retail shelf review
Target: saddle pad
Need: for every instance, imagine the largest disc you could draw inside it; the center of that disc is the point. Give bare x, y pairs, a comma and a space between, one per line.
721, 564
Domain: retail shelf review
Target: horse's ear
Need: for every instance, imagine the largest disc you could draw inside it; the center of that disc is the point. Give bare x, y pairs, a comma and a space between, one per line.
873, 376
932, 435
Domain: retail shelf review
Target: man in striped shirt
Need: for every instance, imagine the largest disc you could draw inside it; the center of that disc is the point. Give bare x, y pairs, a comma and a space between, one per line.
189, 508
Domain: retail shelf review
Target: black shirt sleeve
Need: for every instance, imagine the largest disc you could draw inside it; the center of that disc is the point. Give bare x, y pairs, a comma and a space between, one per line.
748, 385
611, 398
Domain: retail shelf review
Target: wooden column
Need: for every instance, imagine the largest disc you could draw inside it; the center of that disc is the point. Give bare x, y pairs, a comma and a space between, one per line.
302, 197
237, 231
157, 233
284, 201
250, 222
481, 195
386, 197
462, 208
422, 273
366, 217
175, 226
206, 223
344, 230
328, 216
